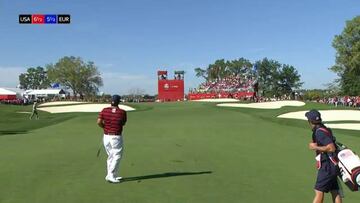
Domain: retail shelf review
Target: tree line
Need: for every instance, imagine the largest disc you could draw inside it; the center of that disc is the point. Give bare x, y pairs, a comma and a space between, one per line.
347, 61
274, 78
82, 78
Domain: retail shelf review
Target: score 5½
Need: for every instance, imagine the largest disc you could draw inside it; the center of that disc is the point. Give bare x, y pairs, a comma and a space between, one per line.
50, 19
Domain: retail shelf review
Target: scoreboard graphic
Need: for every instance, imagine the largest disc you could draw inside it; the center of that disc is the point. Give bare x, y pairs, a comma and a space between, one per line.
44, 19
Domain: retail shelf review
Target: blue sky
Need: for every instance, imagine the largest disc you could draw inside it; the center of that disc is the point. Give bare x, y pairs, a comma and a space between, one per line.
130, 40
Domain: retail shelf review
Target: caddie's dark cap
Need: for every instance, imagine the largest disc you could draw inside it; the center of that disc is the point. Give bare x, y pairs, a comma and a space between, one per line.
115, 99
314, 116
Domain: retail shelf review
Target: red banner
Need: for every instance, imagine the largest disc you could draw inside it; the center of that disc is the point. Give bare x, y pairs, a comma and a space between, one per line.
7, 97
171, 90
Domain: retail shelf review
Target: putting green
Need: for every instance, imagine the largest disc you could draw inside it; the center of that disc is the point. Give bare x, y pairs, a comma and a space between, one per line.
174, 152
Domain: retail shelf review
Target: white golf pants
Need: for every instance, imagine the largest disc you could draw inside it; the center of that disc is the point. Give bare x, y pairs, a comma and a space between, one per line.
114, 148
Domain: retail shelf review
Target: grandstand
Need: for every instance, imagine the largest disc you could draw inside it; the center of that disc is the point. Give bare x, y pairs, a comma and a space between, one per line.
239, 86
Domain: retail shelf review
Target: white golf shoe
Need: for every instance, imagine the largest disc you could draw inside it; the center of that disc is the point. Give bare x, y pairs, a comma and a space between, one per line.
112, 179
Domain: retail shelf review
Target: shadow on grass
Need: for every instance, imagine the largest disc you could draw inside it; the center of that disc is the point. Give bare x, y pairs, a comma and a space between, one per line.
12, 132
164, 175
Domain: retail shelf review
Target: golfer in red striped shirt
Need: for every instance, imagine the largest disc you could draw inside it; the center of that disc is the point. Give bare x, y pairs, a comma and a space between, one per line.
112, 119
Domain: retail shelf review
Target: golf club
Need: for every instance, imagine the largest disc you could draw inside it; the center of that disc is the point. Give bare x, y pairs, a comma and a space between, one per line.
98, 152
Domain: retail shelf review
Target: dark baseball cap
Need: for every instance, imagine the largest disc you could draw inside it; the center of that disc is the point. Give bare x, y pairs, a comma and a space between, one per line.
115, 99
313, 116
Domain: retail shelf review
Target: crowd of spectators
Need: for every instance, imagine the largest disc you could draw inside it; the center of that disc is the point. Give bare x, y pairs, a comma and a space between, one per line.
14, 102
350, 101
227, 84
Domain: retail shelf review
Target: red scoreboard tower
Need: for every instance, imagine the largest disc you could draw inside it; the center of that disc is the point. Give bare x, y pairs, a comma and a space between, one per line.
170, 89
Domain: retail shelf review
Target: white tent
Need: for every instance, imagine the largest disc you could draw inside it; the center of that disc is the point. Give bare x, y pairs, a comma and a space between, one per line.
45, 93
7, 94
4, 91
19, 92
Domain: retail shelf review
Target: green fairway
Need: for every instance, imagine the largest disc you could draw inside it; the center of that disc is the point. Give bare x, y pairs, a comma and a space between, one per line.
174, 152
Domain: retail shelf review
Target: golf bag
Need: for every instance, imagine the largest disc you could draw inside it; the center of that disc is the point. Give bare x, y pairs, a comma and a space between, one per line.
349, 165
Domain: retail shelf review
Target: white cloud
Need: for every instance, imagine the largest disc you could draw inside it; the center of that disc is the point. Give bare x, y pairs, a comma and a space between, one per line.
9, 76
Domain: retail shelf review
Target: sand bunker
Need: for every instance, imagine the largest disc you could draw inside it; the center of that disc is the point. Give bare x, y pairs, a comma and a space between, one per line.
61, 103
346, 126
331, 115
216, 100
81, 108
265, 105
327, 115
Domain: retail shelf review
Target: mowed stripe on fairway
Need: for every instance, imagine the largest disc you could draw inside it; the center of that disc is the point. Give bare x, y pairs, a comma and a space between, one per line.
174, 152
